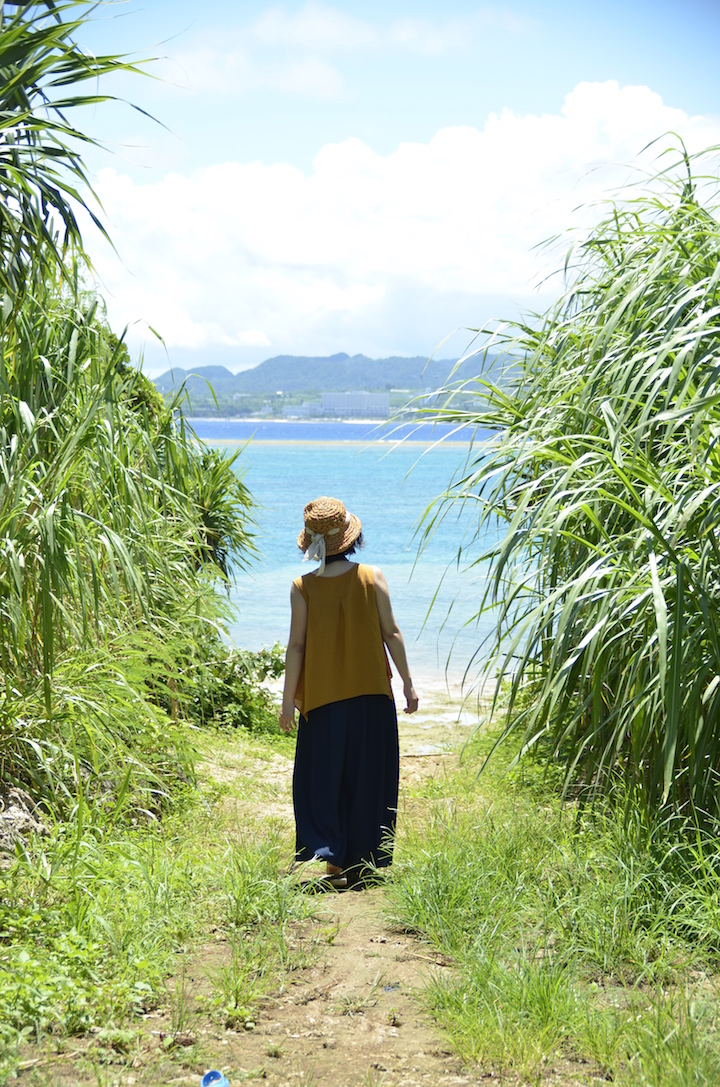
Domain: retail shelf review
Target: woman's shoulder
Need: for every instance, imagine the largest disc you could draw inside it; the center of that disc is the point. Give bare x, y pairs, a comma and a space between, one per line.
370, 575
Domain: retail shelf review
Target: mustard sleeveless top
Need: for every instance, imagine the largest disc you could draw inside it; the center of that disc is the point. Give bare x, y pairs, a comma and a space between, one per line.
344, 650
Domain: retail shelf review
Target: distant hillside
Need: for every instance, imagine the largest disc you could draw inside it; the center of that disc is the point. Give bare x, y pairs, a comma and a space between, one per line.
289, 379
334, 373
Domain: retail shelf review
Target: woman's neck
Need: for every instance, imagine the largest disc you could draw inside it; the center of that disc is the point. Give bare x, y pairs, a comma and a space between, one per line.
333, 558
333, 569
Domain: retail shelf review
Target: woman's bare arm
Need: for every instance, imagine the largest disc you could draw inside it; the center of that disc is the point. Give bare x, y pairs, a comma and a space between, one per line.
294, 657
393, 638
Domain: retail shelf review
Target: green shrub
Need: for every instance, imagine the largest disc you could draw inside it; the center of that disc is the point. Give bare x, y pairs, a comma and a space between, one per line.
229, 690
604, 472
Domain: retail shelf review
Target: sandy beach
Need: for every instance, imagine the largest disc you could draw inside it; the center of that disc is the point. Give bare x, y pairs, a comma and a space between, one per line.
445, 718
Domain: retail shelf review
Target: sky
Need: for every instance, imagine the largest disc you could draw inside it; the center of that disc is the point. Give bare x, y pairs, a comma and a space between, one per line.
373, 178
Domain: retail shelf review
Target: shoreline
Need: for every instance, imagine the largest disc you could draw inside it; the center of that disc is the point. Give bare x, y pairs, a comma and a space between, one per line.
325, 431
294, 422
339, 441
446, 717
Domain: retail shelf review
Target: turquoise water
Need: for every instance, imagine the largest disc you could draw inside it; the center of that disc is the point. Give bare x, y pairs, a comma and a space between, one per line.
350, 430
389, 486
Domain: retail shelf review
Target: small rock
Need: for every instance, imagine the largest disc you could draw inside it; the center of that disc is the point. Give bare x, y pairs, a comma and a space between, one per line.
17, 817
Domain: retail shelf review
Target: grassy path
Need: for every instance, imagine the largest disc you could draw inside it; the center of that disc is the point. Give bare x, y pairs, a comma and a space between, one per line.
327, 994
352, 1014
351, 1017
558, 947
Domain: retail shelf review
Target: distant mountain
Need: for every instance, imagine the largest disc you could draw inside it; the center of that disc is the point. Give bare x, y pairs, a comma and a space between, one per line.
333, 373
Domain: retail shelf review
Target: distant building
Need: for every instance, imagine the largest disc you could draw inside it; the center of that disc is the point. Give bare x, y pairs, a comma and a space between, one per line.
305, 410
342, 405
374, 405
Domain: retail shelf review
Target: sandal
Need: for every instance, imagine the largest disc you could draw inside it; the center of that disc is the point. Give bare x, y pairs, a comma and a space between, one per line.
321, 884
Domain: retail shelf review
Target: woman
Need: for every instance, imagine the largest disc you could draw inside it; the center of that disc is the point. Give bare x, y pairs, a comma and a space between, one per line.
345, 782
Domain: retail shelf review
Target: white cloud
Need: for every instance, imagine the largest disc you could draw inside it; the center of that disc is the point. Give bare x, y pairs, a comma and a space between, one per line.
319, 27
283, 50
252, 337
315, 26
456, 35
371, 252
219, 67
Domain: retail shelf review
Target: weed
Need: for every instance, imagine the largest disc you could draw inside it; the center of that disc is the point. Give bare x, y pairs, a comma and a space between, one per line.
373, 1078
573, 932
180, 997
356, 1005
92, 921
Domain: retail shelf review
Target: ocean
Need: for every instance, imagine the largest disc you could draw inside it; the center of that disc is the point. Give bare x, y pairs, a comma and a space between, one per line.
389, 477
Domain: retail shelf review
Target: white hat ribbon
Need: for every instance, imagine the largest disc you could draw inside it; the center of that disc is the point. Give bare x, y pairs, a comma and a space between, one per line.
316, 550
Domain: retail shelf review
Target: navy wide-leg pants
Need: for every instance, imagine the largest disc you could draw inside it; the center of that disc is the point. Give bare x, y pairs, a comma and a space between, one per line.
345, 782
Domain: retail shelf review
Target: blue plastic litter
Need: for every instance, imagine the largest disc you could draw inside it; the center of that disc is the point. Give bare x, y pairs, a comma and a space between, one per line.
214, 1078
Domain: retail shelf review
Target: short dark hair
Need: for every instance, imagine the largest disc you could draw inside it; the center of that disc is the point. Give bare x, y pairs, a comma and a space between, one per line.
360, 542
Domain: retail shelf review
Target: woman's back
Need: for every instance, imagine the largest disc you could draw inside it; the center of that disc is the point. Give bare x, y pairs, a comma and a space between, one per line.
344, 651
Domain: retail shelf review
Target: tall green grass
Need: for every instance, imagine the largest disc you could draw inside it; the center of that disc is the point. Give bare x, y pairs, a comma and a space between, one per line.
580, 943
45, 76
604, 476
118, 531
116, 527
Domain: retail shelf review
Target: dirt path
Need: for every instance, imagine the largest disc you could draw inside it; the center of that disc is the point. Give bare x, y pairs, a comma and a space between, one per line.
354, 1018
352, 1015
357, 1016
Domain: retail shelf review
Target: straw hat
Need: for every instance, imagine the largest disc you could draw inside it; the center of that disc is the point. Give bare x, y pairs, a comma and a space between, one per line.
327, 517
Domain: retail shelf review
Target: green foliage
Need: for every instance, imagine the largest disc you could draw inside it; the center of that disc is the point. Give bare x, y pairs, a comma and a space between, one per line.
116, 525
575, 936
223, 505
109, 561
92, 920
229, 693
42, 176
109, 743
605, 475
88, 927
118, 530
